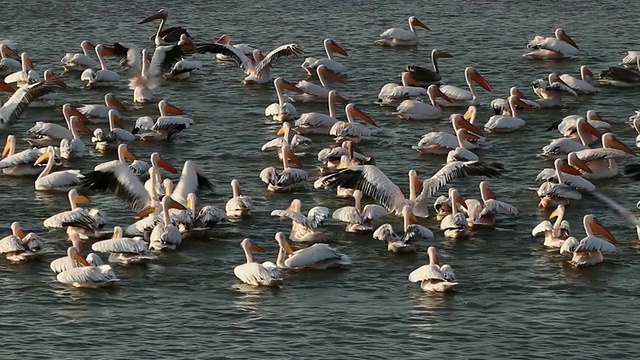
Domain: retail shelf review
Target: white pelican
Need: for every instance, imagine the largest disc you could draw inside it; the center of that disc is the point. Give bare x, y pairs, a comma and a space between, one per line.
20, 248
393, 94
589, 250
48, 100
584, 84
418, 110
20, 164
165, 236
74, 148
402, 37
500, 106
510, 122
170, 123
21, 98
206, 218
293, 142
63, 180
352, 130
439, 142
256, 274
282, 111
554, 234
585, 133
83, 274
455, 225
192, 180
433, 277
551, 92
334, 157
484, 213
461, 97
318, 123
288, 178
412, 232
568, 187
304, 228
630, 59
568, 126
225, 39
238, 206
8, 64
313, 92
141, 83
124, 250
427, 76
168, 61
317, 256
330, 47
621, 76
359, 219
65, 263
258, 69
80, 61
602, 161
116, 135
50, 134
98, 111
550, 48
164, 36
461, 153
103, 77
21, 77
77, 220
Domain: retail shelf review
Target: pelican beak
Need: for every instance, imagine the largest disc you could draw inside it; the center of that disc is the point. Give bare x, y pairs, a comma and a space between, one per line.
333, 46
330, 74
617, 144
129, 155
7, 149
254, 247
566, 38
292, 157
290, 86
172, 110
556, 213
223, 40
358, 113
12, 52
592, 130
354, 148
27, 59
81, 199
20, 233
107, 51
91, 45
579, 164
522, 104
81, 116
419, 23
443, 54
81, 260
189, 45
460, 201
281, 130
411, 81
115, 103
412, 218
519, 94
157, 16
176, 205
55, 79
468, 115
42, 158
484, 83
4, 86
288, 248
488, 193
587, 72
339, 99
443, 95
417, 183
595, 116
602, 230
167, 166
470, 136
144, 212
117, 121
472, 129
83, 128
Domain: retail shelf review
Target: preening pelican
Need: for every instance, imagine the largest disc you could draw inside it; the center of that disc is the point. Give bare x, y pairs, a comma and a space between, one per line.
426, 76
282, 111
77, 220
554, 234
20, 164
508, 123
170, 123
225, 39
433, 277
621, 76
584, 84
359, 219
418, 110
21, 78
392, 94
568, 186
124, 250
317, 256
330, 47
19, 247
21, 98
83, 274
238, 206
589, 250
551, 92
439, 142
412, 232
317, 123
313, 92
164, 36
208, 217
461, 97
80, 61
165, 236
256, 274
63, 180
551, 48
484, 213
602, 161
346, 155
288, 178
565, 145
103, 77
461, 153
351, 130
455, 225
95, 112
402, 37
304, 228
8, 64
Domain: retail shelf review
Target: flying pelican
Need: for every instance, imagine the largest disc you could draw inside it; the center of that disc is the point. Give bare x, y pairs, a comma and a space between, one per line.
402, 37
418, 110
288, 178
318, 123
313, 92
568, 186
8, 64
124, 250
225, 39
21, 98
304, 227
63, 180
256, 274
484, 214
556, 234
439, 142
427, 76
351, 130
565, 145
393, 94
317, 256
510, 122
584, 84
103, 77
602, 161
98, 111
455, 225
80, 61
589, 250
77, 220
20, 248
310, 64
460, 153
359, 219
433, 277
82, 274
238, 206
412, 232
282, 111
164, 36
551, 48
21, 77
621, 76
165, 236
461, 97
551, 92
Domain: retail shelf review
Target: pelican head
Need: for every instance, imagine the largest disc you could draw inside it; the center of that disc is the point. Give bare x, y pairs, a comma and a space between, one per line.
281, 83
433, 256
433, 91
440, 54
72, 253
593, 115
124, 153
414, 21
473, 74
49, 153
407, 213
333, 47
68, 111
611, 141
295, 206
324, 71
248, 245
289, 154
191, 202
334, 96
562, 35
514, 91
24, 57
160, 15
485, 191
408, 80
585, 72
281, 239
558, 212
9, 146
415, 180
77, 124
592, 224
456, 199
114, 119
458, 122
575, 163
157, 160
167, 109
284, 129
16, 229
235, 188
167, 184
352, 111
224, 39
470, 114
76, 198
104, 50
112, 102
117, 232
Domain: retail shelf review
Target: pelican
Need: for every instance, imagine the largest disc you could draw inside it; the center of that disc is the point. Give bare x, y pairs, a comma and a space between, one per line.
333, 157
238, 206
48, 100
164, 36
8, 64
552, 48
165, 236
170, 123
433, 277
427, 76
484, 214
206, 218
82, 274
438, 142
116, 135
551, 92
124, 251
392, 94
418, 110
21, 98
318, 123
50, 134
19, 164
256, 274
168, 61
630, 59
63, 180
304, 227
141, 83
461, 97
568, 126
65, 263
621, 76
293, 142
21, 78
77, 220
103, 77
635, 124
192, 180
95, 112
442, 207
589, 250
568, 187
359, 219
80, 61
556, 234
312, 92
402, 37
508, 123
317, 256
20, 248
411, 232
602, 161
351, 130
225, 39
565, 145
501, 106
310, 64
461, 153
455, 225
288, 178
583, 85
282, 111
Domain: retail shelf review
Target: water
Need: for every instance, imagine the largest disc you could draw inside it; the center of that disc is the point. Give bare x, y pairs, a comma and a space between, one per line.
515, 300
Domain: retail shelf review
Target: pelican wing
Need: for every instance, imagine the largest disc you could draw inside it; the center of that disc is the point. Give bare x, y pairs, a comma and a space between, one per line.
563, 146
234, 53
79, 218
10, 244
317, 215
348, 214
342, 128
209, 216
256, 274
164, 58
312, 255
61, 179
277, 142
172, 124
121, 245
426, 272
20, 100
621, 74
541, 228
455, 93
601, 154
120, 180
62, 264
417, 232
292, 215
42, 129
373, 211
447, 272
87, 274
442, 139
141, 226
459, 170
291, 176
569, 246
385, 233
398, 33
24, 157
288, 50
298, 140
191, 181
593, 243
559, 190
493, 207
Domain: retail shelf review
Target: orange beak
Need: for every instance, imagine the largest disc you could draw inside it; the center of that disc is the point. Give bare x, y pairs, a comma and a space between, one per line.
55, 79
459, 200
172, 110
254, 247
116, 104
408, 79
42, 158
469, 127
167, 166
284, 84
567, 169
27, 59
117, 121
602, 230
442, 95
81, 200
339, 99
481, 81
287, 248
81, 116
334, 47
359, 114
470, 113
4, 86
518, 93
617, 144
330, 74
82, 127
129, 155
566, 38
223, 40
144, 213
587, 72
292, 156
591, 130
7, 149
522, 104
90, 45
107, 51
81, 260
556, 213
419, 23
416, 183
157, 16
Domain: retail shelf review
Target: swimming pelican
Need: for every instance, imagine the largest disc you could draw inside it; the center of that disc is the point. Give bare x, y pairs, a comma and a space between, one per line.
510, 122
582, 85
412, 232
80, 61
418, 110
500, 106
310, 64
313, 92
19, 247
122, 250
551, 92
21, 77
166, 127
433, 277
8, 64
63, 180
317, 256
427, 76
164, 36
556, 234
282, 111
393, 94
602, 161
238, 206
65, 263
334, 157
455, 225
256, 274
288, 178
461, 97
169, 61
460, 153
293, 142
589, 250
304, 228
20, 164
621, 76
50, 134
117, 135
359, 219
565, 145
318, 123
98, 111
402, 37
350, 130
484, 214
208, 216
77, 220
103, 77
21, 98
568, 126
225, 39
568, 186
439, 142
551, 48
82, 274
165, 236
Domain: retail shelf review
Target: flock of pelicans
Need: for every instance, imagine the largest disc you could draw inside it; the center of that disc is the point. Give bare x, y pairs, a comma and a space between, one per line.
167, 214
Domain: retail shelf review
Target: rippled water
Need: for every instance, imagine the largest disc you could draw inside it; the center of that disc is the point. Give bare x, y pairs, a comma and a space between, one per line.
515, 300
